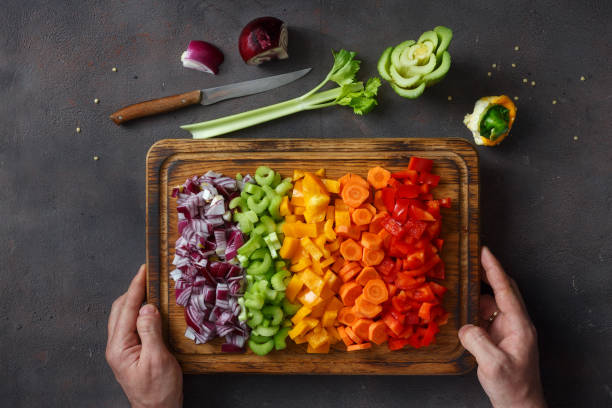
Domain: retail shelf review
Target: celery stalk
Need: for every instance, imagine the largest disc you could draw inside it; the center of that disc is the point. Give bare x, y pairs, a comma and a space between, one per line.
349, 93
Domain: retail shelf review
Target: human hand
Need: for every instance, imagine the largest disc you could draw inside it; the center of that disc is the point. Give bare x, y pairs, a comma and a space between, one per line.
506, 348
149, 375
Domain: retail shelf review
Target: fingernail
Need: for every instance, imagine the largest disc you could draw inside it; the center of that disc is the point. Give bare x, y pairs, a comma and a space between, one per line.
147, 310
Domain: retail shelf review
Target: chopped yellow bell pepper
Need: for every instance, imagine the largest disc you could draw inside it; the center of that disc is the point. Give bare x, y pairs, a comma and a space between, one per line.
301, 314
289, 247
327, 262
290, 218
299, 210
329, 317
302, 327
331, 212
297, 174
313, 281
294, 286
332, 186
342, 218
318, 337
328, 229
324, 349
316, 268
334, 304
312, 249
320, 172
285, 207
309, 298
334, 336
319, 308
302, 264
339, 204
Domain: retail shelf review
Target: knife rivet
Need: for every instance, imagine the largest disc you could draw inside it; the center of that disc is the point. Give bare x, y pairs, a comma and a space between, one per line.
182, 100
120, 117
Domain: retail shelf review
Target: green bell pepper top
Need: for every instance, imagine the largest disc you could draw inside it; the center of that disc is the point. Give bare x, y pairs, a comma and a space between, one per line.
495, 122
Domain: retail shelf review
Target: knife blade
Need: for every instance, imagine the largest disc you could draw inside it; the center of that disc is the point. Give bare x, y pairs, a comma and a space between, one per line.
205, 96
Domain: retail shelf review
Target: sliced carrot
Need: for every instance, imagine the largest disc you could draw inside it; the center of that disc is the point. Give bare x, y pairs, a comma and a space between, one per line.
366, 309
349, 292
348, 232
357, 347
372, 257
378, 177
347, 316
330, 215
349, 271
350, 178
377, 332
378, 202
337, 266
354, 194
352, 335
370, 240
375, 291
366, 274
351, 250
345, 338
362, 216
362, 328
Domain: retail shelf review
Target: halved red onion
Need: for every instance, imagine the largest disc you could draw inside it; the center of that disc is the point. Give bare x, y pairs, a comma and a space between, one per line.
263, 39
202, 56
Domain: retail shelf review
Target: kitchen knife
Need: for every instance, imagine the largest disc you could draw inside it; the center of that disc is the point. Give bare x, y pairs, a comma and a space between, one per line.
204, 96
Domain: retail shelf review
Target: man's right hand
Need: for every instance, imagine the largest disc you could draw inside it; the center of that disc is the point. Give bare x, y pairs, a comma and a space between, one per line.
506, 349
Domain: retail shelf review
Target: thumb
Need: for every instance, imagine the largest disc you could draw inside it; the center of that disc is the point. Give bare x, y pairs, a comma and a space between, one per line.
477, 341
148, 325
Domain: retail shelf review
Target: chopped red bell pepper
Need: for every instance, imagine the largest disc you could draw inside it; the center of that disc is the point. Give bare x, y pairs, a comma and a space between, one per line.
400, 210
405, 281
425, 268
420, 164
437, 272
425, 311
415, 260
386, 266
394, 227
392, 323
433, 230
445, 202
396, 344
438, 289
405, 191
423, 294
419, 214
433, 207
388, 198
428, 178
411, 175
428, 335
415, 229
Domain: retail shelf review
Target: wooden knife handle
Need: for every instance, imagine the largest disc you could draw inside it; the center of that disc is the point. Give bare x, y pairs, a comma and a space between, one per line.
155, 106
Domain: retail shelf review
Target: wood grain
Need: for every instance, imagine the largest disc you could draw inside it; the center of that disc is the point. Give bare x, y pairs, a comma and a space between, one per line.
170, 162
156, 106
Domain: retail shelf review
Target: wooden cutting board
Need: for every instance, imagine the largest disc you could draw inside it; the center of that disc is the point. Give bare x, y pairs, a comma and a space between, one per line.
171, 162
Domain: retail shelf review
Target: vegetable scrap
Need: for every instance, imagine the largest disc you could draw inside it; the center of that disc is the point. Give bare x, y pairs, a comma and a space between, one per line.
96, 100
413, 65
114, 69
349, 92
96, 158
78, 130
491, 120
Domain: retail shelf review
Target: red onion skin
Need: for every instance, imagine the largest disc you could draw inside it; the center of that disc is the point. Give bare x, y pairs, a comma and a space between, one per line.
262, 35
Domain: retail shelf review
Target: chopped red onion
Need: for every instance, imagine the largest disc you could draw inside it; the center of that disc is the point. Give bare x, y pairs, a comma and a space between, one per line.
208, 288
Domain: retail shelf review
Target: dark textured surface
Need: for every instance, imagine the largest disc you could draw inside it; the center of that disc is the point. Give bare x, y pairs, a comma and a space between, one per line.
73, 228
